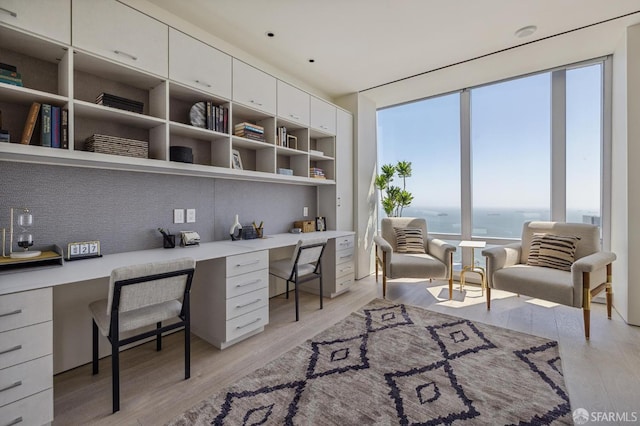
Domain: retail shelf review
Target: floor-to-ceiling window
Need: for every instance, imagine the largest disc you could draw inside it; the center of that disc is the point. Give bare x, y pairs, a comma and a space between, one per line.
534, 152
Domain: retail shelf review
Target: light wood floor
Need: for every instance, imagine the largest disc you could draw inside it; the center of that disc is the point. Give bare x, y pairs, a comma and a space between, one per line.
601, 375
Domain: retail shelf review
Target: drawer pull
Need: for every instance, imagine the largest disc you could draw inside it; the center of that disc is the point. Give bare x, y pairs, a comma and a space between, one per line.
294, 116
14, 421
248, 324
346, 257
255, 102
249, 283
128, 55
15, 15
247, 304
16, 312
322, 126
240, 265
11, 386
203, 83
13, 349
344, 282
344, 243
345, 269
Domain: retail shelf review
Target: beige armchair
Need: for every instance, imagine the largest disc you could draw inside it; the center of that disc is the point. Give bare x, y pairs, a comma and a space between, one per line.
435, 259
510, 267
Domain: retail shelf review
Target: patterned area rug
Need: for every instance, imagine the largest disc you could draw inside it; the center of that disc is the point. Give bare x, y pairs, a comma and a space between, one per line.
396, 364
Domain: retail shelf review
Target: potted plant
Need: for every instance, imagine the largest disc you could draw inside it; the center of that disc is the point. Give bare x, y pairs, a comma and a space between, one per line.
394, 198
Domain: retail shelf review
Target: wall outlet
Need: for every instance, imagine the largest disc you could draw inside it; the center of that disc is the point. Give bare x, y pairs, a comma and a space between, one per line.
178, 215
191, 215
305, 211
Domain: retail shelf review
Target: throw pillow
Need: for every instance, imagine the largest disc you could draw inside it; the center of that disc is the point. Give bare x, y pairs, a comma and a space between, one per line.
409, 240
553, 251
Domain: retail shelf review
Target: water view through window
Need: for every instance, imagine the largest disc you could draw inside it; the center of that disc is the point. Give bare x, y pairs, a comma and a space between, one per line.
511, 179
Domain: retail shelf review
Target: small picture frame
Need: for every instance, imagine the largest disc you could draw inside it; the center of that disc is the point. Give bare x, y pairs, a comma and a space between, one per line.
321, 224
236, 160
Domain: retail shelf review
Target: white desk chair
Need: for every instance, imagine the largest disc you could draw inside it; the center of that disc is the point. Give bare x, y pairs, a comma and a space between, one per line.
303, 266
139, 296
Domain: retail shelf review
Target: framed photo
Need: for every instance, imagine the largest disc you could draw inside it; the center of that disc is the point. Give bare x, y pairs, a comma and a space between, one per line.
321, 224
236, 160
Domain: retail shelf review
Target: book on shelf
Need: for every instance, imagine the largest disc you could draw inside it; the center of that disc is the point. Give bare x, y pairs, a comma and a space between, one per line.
8, 67
30, 123
11, 80
252, 136
64, 128
225, 120
113, 101
207, 114
249, 126
285, 171
45, 127
55, 127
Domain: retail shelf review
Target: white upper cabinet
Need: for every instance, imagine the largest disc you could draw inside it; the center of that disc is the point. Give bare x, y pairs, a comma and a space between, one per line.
293, 104
253, 87
199, 65
50, 18
116, 31
323, 116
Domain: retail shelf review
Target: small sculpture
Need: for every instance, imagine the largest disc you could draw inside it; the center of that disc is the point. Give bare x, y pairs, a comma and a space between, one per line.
236, 230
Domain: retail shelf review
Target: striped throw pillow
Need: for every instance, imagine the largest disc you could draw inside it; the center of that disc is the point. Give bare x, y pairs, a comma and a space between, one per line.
553, 251
409, 240
534, 249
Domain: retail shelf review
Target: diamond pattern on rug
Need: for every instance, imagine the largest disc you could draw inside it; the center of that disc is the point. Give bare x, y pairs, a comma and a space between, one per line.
545, 362
338, 356
459, 338
249, 407
429, 395
387, 317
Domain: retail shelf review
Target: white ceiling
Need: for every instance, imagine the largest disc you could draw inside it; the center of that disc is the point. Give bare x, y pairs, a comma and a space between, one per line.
360, 44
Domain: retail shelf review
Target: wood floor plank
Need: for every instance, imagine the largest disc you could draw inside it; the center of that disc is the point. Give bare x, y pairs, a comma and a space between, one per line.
600, 374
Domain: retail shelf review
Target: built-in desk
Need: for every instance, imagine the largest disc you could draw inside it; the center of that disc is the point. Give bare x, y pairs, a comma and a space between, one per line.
45, 323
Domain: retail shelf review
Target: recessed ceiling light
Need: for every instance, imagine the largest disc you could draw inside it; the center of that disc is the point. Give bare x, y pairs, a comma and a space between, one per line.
526, 31
312, 60
269, 34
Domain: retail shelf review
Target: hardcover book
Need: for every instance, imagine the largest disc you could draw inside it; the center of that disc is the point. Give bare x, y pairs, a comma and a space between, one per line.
30, 124
45, 129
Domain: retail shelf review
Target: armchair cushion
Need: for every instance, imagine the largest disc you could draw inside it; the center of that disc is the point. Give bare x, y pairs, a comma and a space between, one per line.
409, 240
552, 251
543, 283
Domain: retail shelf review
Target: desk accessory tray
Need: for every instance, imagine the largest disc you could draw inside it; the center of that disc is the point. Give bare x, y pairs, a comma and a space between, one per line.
51, 255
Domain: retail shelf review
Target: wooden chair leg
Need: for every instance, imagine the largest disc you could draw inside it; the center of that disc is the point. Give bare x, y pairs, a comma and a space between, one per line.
587, 322
488, 299
450, 276
609, 300
95, 347
287, 292
376, 264
384, 275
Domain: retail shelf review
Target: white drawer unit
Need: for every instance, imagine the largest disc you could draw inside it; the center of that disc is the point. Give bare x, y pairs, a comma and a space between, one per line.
338, 267
199, 65
50, 18
254, 88
293, 104
26, 360
230, 298
323, 116
118, 32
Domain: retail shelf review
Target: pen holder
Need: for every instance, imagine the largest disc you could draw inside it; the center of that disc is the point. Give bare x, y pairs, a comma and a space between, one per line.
169, 241
259, 232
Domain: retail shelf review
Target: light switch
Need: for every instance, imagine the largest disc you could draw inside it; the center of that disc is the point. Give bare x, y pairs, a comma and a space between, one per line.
305, 211
178, 215
191, 215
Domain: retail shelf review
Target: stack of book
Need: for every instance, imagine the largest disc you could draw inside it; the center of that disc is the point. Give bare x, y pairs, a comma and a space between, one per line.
285, 171
316, 173
9, 74
281, 139
106, 144
114, 101
249, 131
52, 122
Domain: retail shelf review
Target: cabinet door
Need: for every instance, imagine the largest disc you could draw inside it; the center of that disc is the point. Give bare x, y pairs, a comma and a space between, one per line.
323, 116
50, 18
253, 87
293, 104
118, 32
199, 65
344, 171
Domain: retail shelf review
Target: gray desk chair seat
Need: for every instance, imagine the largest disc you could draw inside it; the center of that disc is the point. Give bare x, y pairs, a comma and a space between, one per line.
304, 265
140, 296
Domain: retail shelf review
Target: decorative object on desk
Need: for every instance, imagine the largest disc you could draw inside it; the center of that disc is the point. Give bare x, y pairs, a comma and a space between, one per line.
198, 115
236, 160
113, 101
321, 224
189, 238
249, 232
183, 154
236, 230
106, 144
305, 225
397, 364
168, 239
24, 240
49, 256
259, 229
83, 250
296, 230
